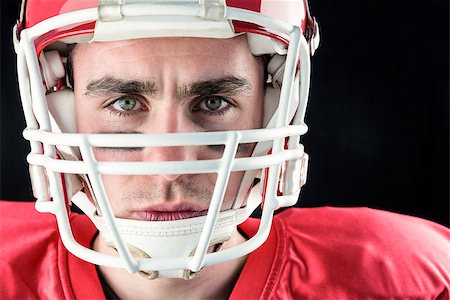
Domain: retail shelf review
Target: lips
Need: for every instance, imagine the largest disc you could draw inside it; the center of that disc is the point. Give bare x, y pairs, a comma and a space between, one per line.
168, 212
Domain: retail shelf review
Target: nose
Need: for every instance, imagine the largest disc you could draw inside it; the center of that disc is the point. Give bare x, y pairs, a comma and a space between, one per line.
169, 154
167, 120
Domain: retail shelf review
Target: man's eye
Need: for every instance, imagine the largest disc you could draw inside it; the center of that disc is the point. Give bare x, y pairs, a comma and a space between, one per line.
126, 104
213, 104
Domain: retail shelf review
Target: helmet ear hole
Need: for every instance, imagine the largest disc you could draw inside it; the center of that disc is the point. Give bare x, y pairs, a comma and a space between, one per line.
52, 67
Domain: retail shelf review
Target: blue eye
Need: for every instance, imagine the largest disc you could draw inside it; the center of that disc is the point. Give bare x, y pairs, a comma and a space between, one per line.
213, 104
126, 104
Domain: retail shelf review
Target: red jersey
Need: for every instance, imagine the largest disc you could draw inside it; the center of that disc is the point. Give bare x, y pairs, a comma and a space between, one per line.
315, 253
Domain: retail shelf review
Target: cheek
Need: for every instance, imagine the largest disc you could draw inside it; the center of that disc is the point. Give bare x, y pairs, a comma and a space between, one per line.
115, 185
232, 189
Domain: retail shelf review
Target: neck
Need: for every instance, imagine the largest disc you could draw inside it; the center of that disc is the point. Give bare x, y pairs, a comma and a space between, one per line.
215, 281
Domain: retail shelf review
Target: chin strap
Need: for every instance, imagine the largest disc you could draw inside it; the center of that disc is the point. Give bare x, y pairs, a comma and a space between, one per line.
165, 239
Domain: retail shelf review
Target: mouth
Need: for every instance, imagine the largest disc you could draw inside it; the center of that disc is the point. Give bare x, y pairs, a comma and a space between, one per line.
168, 213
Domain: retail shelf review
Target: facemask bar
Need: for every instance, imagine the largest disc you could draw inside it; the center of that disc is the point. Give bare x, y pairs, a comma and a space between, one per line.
94, 169
27, 57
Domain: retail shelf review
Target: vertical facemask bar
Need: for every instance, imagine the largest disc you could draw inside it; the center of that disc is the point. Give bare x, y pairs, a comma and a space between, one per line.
37, 175
288, 81
298, 167
107, 213
33, 99
305, 71
37, 91
216, 202
272, 201
24, 88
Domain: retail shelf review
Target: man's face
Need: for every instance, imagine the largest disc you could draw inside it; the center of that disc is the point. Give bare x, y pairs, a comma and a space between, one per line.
166, 86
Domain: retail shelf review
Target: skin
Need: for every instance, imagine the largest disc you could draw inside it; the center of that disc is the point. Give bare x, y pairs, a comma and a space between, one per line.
164, 101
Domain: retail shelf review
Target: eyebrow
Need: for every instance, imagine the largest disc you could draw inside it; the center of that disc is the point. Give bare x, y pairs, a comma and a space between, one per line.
228, 85
110, 85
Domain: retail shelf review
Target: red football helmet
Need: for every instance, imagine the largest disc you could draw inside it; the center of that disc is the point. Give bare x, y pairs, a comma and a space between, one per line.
63, 168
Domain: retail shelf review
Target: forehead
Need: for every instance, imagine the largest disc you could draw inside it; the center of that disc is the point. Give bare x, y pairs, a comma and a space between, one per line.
189, 54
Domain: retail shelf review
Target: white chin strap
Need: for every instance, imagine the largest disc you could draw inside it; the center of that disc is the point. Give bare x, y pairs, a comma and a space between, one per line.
164, 239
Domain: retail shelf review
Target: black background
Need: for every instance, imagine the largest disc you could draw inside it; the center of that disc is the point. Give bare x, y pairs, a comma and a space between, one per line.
378, 112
